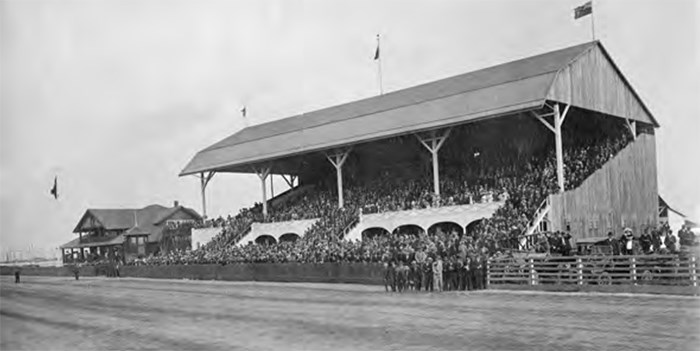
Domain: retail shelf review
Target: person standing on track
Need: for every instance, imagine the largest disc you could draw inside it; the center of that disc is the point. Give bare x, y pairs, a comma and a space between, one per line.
468, 279
437, 274
17, 275
389, 277
478, 274
428, 274
76, 272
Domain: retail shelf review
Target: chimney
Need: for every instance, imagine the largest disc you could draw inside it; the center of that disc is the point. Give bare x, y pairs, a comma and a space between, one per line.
176, 203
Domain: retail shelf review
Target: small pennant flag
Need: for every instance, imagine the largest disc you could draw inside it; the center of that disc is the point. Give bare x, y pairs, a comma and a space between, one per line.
243, 111
54, 190
376, 53
583, 10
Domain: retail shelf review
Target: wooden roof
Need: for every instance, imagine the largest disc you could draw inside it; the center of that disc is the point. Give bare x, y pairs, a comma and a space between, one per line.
582, 75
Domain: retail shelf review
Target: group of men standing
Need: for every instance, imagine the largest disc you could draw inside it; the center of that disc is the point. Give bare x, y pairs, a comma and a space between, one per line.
426, 274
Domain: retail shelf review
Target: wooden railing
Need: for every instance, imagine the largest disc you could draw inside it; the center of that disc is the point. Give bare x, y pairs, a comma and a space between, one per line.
236, 237
594, 270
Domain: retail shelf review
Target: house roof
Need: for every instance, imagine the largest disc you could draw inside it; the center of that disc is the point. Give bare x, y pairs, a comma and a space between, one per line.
664, 205
508, 88
144, 221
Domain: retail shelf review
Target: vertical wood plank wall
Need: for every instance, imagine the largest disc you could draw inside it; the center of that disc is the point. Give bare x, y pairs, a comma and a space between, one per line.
592, 82
622, 193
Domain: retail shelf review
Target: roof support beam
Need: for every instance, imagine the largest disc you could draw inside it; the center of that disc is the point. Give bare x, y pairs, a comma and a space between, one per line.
204, 181
290, 180
565, 113
433, 142
544, 121
632, 126
555, 127
262, 173
337, 159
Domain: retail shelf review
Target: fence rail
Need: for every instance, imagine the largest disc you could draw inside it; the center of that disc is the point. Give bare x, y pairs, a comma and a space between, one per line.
662, 270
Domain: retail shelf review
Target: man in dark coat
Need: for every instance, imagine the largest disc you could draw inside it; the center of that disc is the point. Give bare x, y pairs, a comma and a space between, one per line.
76, 271
469, 277
17, 275
645, 242
614, 244
428, 274
478, 273
389, 275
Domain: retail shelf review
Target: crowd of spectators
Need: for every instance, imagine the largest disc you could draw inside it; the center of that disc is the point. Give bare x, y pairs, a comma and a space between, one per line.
448, 245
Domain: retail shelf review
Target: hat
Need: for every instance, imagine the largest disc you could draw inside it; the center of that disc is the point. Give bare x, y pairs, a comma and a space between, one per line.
627, 230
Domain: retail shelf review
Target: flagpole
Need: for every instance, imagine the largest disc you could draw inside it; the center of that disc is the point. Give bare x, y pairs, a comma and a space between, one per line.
592, 20
379, 68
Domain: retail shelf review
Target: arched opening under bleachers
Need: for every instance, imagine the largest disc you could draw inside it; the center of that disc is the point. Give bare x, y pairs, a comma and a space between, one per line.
265, 240
289, 237
409, 229
472, 227
374, 232
442, 228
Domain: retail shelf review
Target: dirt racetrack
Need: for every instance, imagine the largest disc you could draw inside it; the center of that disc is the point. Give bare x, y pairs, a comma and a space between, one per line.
50, 313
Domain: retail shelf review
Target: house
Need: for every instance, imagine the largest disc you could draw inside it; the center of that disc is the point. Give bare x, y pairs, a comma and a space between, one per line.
123, 233
673, 218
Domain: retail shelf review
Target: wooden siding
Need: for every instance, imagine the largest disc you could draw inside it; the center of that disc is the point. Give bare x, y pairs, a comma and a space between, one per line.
622, 193
592, 82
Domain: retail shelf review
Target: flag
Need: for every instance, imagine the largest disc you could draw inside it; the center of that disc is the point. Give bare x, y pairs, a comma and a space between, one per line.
376, 52
583, 10
243, 111
54, 190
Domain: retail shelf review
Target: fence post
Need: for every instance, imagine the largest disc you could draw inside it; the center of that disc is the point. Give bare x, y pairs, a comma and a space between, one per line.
531, 264
693, 271
633, 267
579, 270
488, 272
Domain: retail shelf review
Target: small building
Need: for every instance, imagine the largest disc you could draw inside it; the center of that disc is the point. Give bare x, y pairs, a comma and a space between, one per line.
673, 218
124, 234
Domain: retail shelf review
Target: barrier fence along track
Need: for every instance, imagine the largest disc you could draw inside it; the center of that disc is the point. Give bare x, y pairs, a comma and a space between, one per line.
659, 270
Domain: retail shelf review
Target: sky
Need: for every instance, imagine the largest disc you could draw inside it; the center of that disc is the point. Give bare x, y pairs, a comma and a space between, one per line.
114, 97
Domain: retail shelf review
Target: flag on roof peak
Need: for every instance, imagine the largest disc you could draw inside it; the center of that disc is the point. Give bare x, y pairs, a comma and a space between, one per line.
583, 10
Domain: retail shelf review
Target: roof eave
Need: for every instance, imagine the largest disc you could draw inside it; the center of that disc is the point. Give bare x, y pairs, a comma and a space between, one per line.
523, 107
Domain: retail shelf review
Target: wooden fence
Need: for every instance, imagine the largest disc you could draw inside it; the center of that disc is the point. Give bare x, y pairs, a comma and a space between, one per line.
665, 273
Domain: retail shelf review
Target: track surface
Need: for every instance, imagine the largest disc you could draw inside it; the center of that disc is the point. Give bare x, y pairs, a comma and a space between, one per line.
44, 313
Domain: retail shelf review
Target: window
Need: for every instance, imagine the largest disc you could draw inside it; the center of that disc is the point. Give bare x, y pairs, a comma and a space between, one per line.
141, 245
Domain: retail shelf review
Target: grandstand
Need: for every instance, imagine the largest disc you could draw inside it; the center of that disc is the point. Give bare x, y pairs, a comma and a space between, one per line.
558, 141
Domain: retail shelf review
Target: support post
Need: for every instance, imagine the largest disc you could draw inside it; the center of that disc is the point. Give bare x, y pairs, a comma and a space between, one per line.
433, 143
579, 270
262, 174
204, 180
531, 263
558, 119
633, 270
337, 159
693, 271
559, 148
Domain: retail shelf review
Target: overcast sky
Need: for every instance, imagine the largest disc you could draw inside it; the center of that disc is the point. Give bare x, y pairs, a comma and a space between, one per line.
115, 97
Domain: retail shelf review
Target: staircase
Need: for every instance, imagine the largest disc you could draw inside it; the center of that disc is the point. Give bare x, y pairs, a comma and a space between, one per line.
527, 238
